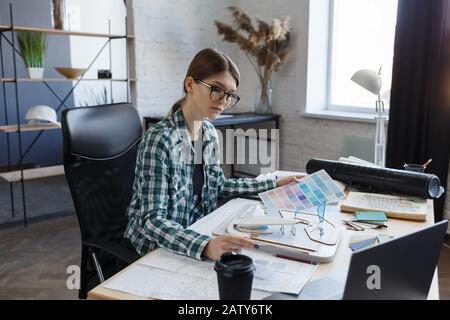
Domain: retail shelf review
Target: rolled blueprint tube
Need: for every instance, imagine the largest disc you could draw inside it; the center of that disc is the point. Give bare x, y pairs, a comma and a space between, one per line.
382, 180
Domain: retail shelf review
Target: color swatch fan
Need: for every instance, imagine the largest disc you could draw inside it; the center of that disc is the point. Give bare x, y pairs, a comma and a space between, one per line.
312, 191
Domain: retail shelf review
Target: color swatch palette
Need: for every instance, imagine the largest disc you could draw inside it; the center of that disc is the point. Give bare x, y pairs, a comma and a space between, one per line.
310, 192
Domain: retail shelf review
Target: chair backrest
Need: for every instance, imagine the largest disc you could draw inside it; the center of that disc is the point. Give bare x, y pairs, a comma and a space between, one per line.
100, 149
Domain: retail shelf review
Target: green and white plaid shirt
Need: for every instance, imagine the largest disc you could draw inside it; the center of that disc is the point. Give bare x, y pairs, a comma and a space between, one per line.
163, 204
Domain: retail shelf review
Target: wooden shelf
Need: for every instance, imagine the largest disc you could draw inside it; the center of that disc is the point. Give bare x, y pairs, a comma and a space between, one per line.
57, 80
29, 127
36, 173
69, 33
13, 79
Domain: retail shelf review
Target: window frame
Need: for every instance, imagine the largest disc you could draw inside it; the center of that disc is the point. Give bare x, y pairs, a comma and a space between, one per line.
336, 107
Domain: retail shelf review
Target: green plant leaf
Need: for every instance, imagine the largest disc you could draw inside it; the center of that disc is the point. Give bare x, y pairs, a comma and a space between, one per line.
33, 46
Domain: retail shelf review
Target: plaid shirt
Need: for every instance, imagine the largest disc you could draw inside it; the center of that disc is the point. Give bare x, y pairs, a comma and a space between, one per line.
163, 204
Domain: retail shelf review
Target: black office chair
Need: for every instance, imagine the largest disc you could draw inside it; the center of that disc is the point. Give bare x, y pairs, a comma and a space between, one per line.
100, 148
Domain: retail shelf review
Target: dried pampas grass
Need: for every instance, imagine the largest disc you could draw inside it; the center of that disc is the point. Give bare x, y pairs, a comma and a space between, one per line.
266, 46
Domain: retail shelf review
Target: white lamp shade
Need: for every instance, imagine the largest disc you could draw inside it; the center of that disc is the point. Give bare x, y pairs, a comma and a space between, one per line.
369, 80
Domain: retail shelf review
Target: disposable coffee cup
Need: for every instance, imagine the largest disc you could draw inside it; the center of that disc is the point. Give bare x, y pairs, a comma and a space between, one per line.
414, 167
234, 276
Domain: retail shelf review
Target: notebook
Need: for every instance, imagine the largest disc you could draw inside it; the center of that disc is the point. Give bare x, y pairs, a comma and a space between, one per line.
398, 207
371, 216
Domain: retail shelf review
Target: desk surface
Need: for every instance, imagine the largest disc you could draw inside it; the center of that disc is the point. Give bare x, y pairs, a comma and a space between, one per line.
339, 265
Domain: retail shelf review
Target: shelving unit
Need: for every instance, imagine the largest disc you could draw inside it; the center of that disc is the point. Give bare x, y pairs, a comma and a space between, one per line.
64, 33
19, 128
28, 127
29, 174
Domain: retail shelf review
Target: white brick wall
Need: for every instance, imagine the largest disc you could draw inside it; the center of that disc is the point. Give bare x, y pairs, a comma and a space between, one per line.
301, 138
168, 34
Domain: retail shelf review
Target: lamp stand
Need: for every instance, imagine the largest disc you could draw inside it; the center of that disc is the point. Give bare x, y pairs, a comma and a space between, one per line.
380, 137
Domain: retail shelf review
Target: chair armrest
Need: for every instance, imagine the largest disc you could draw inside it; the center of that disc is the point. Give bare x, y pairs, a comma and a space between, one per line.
125, 254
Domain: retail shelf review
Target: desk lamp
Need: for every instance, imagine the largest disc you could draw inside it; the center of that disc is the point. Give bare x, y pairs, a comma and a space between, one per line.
371, 81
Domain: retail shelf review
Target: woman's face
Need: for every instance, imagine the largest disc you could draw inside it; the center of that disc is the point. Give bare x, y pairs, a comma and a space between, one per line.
204, 92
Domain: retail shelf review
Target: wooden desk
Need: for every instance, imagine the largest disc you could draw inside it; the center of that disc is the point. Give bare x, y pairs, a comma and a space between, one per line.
231, 120
340, 264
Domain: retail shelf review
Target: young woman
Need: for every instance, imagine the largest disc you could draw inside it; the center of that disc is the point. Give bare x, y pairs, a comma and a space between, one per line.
177, 184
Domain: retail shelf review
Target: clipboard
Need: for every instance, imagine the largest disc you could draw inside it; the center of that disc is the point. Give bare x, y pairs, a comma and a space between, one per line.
296, 246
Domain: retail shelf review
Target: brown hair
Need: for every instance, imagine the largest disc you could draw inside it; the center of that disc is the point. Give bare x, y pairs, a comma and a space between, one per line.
206, 63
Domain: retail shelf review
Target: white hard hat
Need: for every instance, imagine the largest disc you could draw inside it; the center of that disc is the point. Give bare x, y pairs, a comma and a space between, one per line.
41, 114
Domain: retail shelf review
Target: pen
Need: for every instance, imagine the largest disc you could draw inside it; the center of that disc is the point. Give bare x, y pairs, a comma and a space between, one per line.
378, 225
264, 247
277, 251
353, 225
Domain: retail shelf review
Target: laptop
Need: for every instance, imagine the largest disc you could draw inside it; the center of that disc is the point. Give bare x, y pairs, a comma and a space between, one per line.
400, 269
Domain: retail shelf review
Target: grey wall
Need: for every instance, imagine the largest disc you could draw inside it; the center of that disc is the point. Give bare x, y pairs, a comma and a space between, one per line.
48, 149
167, 36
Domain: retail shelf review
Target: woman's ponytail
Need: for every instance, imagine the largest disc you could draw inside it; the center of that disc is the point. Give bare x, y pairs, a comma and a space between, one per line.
177, 105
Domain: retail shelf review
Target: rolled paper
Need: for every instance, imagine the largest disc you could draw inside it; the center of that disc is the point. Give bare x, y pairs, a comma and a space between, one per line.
381, 180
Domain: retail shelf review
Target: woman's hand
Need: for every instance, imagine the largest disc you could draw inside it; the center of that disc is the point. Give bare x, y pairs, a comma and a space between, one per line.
226, 243
287, 180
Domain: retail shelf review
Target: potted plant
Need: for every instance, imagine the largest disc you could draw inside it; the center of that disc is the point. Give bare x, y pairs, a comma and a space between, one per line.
33, 46
266, 47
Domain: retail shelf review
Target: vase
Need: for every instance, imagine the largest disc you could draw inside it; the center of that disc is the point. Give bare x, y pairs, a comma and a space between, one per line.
59, 14
263, 101
35, 73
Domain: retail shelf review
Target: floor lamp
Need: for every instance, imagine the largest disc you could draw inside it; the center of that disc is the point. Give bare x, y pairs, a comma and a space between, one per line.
371, 81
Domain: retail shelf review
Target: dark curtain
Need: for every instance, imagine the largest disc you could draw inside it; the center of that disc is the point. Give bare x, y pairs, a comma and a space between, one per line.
419, 119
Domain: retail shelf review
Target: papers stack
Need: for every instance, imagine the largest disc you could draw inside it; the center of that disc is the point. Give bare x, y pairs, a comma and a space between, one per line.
399, 207
361, 242
355, 160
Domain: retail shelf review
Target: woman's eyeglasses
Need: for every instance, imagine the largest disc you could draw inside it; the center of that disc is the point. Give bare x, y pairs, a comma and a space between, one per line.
217, 94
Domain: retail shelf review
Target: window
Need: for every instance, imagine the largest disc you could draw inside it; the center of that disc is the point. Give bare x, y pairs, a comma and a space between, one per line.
361, 37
